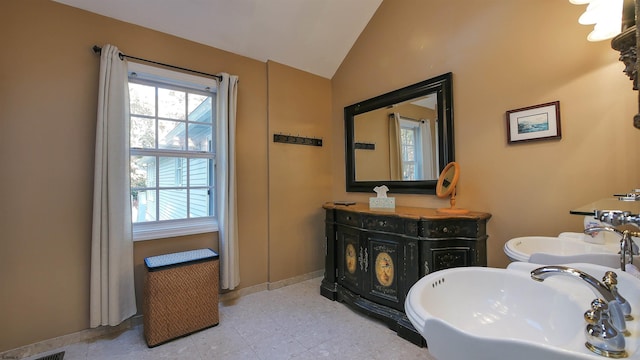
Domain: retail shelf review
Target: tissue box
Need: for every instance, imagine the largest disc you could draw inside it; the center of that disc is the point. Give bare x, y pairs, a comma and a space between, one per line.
382, 203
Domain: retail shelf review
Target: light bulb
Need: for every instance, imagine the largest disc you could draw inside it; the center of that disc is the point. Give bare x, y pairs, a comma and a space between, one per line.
605, 15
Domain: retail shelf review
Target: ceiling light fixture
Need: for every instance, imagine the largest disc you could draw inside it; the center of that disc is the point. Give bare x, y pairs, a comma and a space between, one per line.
604, 15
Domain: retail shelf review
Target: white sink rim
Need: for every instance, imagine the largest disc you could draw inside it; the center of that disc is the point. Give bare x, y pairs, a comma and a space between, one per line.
444, 333
484, 317
563, 249
521, 248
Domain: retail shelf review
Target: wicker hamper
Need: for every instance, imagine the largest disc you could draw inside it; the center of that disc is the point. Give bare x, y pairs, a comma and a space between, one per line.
180, 294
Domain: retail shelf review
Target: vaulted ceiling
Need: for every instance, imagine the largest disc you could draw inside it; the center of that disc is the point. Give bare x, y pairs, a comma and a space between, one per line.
310, 35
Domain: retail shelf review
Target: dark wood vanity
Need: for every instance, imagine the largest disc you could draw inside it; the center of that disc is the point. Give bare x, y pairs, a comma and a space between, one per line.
375, 256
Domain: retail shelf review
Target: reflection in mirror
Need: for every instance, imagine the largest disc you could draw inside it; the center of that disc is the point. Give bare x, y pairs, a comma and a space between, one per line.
448, 180
403, 138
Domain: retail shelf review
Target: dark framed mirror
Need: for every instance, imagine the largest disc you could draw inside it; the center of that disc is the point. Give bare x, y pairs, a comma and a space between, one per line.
402, 139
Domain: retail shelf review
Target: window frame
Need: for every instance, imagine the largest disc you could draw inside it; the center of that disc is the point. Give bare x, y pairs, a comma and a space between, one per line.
160, 229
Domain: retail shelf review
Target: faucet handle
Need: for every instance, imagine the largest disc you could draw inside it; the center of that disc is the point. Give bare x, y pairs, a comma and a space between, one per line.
594, 315
610, 279
599, 304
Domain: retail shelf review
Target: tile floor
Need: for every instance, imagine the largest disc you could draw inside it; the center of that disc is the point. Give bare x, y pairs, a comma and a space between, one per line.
293, 322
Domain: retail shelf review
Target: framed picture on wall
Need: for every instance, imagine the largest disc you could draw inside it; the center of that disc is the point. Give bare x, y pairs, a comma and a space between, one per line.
537, 122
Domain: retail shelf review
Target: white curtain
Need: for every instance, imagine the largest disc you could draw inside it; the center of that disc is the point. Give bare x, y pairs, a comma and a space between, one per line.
226, 210
395, 147
112, 293
436, 140
429, 171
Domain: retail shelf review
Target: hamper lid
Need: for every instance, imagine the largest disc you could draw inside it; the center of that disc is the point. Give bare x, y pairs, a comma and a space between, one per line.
179, 258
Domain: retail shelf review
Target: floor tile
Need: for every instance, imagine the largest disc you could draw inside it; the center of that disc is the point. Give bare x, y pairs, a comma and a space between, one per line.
290, 323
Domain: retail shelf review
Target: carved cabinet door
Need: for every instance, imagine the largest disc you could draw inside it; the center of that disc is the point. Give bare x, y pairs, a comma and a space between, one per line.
351, 262
390, 269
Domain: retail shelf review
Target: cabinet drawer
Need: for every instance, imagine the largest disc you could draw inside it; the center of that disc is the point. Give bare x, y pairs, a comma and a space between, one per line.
449, 229
411, 228
348, 218
383, 223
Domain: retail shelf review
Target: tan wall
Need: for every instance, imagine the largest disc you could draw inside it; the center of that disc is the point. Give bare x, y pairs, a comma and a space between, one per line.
504, 55
372, 127
48, 99
299, 176
414, 111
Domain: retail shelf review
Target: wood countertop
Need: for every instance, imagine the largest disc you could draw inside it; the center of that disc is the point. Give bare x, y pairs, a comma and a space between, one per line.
406, 212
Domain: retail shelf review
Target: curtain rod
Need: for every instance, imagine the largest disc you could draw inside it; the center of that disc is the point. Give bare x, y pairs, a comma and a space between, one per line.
407, 118
97, 49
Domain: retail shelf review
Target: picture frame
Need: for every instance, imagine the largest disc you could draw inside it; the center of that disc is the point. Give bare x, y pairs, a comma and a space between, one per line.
533, 123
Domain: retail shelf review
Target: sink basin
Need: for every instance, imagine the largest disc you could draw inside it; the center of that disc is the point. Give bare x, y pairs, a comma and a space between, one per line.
566, 248
487, 313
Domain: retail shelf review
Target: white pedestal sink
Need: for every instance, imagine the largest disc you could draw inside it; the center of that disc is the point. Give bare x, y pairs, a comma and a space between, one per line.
487, 314
566, 248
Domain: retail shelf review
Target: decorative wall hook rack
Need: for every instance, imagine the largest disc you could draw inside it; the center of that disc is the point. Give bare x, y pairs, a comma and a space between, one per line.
365, 146
299, 140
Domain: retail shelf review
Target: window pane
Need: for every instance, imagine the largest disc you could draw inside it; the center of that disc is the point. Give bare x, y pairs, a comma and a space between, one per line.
201, 202
200, 137
171, 104
143, 205
172, 171
200, 172
143, 133
173, 204
181, 172
199, 108
143, 171
407, 136
142, 99
171, 135
408, 171
409, 154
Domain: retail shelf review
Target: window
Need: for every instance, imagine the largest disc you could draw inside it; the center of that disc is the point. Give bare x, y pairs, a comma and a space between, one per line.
172, 140
411, 150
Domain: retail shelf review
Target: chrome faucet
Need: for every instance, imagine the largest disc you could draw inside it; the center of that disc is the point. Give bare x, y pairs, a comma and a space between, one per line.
617, 217
606, 327
628, 247
602, 337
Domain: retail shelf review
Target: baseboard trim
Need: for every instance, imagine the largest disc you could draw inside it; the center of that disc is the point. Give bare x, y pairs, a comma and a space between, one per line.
65, 340
101, 331
294, 280
231, 295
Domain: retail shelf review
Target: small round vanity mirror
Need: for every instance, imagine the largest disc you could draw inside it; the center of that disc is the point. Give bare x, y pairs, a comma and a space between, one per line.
446, 186
448, 179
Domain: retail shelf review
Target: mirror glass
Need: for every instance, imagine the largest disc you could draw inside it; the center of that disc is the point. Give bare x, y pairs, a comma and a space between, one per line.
447, 187
448, 180
402, 139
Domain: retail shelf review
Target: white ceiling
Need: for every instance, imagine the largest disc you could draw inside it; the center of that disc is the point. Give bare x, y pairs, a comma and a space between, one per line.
310, 35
